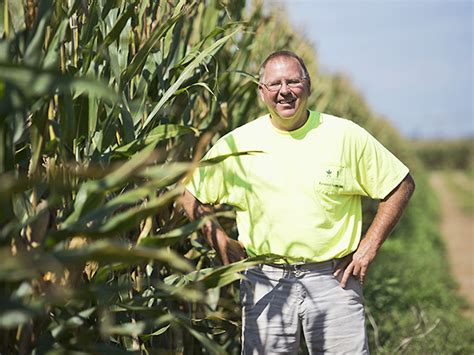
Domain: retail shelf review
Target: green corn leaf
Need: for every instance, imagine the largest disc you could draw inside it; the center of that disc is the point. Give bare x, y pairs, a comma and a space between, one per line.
140, 58
52, 55
107, 251
36, 82
204, 85
188, 72
165, 174
73, 322
113, 55
92, 193
14, 313
119, 223
223, 279
222, 157
175, 235
185, 292
210, 345
26, 265
123, 200
92, 106
127, 124
227, 274
88, 32
130, 218
160, 331
119, 25
137, 328
158, 134
34, 50
245, 74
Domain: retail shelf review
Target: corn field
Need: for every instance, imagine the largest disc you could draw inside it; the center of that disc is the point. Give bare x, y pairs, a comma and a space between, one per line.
105, 105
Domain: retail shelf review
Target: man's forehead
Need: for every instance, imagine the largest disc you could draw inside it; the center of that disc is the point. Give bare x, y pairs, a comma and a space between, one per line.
283, 63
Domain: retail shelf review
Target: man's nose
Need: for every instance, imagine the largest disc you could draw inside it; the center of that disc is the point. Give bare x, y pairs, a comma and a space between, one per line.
284, 87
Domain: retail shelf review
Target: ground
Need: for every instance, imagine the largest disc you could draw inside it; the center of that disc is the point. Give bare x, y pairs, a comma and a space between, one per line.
455, 190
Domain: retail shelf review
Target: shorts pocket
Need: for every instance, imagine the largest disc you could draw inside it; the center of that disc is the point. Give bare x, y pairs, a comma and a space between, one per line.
353, 289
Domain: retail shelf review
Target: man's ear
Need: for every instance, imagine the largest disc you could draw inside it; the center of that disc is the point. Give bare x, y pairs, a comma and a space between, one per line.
260, 91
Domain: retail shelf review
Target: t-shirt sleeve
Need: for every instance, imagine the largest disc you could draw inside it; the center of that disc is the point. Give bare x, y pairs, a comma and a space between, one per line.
207, 182
377, 170
214, 183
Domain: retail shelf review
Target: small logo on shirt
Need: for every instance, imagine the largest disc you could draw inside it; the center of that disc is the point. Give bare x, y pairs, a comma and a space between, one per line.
331, 178
333, 173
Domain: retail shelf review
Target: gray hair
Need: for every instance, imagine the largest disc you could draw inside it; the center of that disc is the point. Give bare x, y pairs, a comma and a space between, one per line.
287, 54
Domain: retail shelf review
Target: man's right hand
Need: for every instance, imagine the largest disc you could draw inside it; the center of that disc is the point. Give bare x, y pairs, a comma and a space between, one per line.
230, 250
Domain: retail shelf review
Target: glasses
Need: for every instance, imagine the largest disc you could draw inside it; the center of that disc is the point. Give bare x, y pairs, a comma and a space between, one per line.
296, 83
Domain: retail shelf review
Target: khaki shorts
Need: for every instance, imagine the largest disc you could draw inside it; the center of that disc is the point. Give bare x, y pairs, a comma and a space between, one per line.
279, 303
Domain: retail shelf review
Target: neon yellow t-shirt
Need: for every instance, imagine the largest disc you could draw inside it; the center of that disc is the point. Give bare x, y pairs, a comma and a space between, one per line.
301, 196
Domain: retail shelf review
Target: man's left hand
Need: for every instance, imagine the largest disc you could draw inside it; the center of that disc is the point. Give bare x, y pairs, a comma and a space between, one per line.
388, 213
356, 264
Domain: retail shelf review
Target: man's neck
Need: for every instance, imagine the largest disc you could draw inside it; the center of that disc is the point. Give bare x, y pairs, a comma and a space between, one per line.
290, 124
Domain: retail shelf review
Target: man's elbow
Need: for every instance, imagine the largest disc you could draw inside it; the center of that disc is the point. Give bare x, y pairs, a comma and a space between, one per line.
410, 184
403, 191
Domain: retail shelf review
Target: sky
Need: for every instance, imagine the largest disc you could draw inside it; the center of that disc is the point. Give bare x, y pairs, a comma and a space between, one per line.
411, 60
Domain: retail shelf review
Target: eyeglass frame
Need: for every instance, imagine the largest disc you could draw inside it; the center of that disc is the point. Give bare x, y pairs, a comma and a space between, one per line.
280, 84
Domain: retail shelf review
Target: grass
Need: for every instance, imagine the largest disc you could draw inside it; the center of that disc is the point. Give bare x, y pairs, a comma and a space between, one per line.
411, 295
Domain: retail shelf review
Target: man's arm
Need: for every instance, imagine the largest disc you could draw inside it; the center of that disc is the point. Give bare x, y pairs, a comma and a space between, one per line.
388, 213
228, 249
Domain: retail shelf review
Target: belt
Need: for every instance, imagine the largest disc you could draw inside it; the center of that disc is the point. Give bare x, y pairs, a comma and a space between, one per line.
303, 266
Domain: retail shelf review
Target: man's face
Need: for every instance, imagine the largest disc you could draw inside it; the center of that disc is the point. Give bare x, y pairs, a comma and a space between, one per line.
287, 104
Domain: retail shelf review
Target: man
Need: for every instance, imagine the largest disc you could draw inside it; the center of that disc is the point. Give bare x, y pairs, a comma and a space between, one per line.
298, 196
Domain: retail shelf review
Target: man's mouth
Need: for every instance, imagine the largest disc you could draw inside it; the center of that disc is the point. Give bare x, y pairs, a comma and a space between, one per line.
286, 101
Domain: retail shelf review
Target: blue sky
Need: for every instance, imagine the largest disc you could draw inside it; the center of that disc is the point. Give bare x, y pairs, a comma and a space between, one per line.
411, 60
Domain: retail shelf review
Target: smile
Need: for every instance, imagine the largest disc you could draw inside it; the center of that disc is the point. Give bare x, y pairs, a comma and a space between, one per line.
288, 101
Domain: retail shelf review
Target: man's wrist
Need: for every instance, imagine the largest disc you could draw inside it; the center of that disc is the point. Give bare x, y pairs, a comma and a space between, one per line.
369, 244
214, 233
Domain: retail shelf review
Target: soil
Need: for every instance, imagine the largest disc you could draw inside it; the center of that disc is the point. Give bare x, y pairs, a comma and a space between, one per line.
457, 228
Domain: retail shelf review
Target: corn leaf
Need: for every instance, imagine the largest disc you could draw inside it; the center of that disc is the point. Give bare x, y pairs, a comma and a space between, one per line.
106, 251
200, 59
